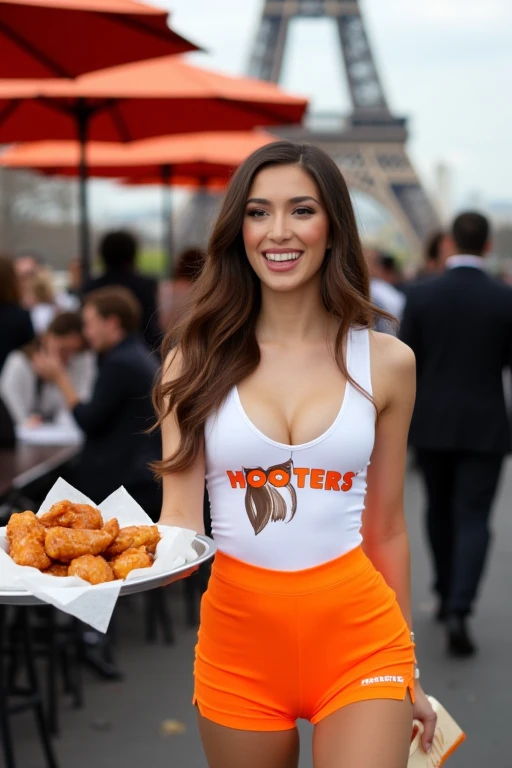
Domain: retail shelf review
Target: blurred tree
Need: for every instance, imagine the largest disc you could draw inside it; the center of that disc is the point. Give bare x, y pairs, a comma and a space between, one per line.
38, 214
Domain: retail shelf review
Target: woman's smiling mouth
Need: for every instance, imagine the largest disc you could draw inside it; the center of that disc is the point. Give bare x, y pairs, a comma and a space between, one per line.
281, 260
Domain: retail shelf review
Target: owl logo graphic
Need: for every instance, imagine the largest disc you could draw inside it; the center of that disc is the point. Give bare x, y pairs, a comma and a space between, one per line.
264, 502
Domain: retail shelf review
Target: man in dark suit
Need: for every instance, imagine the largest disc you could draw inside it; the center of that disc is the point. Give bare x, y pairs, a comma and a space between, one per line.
117, 449
118, 253
460, 327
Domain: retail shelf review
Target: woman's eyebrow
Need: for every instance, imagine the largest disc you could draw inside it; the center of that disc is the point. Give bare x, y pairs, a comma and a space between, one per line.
303, 199
293, 200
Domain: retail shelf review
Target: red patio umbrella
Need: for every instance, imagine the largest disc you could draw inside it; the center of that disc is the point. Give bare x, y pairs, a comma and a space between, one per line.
155, 98
200, 160
65, 38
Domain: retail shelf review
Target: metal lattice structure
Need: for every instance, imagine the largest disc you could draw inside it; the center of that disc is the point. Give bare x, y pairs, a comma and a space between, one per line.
369, 144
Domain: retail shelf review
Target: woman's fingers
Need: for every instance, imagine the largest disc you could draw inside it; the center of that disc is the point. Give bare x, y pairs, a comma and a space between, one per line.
429, 723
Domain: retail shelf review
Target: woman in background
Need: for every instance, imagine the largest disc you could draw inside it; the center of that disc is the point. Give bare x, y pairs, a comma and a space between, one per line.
32, 401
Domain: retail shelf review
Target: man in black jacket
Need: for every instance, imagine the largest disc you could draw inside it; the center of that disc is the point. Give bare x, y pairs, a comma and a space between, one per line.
460, 327
118, 253
117, 449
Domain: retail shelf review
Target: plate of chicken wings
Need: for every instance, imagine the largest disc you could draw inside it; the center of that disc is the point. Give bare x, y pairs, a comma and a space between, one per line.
73, 539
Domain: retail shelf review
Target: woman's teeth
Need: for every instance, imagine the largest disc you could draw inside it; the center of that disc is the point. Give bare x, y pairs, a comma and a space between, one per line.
292, 256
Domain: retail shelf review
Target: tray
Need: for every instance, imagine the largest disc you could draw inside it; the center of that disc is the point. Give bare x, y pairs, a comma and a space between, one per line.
203, 545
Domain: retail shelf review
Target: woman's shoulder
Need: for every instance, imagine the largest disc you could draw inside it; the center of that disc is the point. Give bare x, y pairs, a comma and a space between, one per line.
17, 361
389, 355
172, 366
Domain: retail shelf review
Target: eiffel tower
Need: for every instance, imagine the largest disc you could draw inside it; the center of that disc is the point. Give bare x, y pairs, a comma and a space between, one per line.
369, 144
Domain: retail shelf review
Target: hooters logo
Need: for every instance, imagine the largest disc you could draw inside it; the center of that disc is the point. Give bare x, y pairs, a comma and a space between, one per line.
263, 501
271, 497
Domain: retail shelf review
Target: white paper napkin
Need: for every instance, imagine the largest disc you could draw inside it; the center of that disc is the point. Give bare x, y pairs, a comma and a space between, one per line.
94, 605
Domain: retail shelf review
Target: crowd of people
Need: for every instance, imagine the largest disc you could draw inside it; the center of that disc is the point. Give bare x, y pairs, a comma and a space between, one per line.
80, 363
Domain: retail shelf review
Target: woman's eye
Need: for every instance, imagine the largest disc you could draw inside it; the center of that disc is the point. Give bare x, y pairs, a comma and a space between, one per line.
257, 213
304, 211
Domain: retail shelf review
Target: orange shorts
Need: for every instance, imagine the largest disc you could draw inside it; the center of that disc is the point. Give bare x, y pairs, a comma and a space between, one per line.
277, 646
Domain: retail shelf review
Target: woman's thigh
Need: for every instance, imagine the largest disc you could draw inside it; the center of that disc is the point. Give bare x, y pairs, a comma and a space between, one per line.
231, 748
367, 734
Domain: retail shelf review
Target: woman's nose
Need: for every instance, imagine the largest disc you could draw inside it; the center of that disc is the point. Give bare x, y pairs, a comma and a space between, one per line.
279, 231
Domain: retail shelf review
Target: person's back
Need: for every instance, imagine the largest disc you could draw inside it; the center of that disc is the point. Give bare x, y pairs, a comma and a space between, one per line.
462, 344
15, 321
118, 254
460, 327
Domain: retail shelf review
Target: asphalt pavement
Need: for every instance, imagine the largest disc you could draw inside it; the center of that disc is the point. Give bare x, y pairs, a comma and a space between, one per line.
147, 721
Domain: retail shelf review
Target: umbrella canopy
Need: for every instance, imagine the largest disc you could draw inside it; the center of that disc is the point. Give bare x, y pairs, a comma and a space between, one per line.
136, 101
189, 157
65, 38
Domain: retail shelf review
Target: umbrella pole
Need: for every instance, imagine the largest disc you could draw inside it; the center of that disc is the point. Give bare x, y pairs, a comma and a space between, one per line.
83, 125
167, 230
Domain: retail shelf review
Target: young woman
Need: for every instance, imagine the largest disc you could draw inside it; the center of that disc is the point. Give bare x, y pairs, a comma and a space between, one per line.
32, 401
276, 388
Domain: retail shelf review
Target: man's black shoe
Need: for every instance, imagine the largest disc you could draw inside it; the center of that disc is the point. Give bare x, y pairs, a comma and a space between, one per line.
459, 641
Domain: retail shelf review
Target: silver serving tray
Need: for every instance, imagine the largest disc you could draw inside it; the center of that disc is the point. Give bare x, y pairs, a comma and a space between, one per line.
203, 545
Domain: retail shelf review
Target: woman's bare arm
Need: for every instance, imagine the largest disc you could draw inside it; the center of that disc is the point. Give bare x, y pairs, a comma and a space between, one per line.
385, 538
183, 492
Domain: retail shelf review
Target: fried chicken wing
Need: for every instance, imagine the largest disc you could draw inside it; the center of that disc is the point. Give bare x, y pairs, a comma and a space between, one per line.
130, 560
93, 569
134, 536
66, 544
68, 515
25, 536
57, 569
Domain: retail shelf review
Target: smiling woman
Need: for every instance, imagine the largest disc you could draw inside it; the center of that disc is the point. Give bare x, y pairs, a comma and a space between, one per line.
277, 391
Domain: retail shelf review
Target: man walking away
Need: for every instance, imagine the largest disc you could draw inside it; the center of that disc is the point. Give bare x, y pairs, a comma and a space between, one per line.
460, 327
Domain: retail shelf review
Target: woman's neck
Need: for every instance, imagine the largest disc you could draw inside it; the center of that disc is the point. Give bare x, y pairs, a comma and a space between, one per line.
294, 316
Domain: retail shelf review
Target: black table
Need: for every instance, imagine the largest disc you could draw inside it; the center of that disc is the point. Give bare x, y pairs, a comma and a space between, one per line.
25, 464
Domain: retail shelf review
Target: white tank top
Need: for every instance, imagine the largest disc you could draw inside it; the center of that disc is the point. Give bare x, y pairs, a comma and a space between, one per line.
288, 507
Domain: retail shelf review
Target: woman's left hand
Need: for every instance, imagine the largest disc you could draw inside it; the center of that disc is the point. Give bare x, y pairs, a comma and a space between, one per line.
422, 711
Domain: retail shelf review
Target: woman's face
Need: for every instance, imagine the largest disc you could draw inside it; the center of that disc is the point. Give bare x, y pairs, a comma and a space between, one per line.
64, 347
286, 228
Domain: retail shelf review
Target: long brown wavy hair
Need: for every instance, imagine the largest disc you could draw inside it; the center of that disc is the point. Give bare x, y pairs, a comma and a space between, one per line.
217, 336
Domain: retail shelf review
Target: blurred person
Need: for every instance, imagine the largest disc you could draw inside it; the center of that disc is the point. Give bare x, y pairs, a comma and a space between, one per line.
118, 255
173, 294
27, 265
44, 305
274, 372
15, 322
385, 295
438, 248
117, 449
74, 277
459, 326
32, 401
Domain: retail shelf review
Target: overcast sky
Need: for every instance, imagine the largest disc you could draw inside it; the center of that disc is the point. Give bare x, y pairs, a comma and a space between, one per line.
446, 64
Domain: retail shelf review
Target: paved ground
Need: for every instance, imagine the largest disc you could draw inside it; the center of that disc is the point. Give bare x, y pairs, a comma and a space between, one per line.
121, 724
